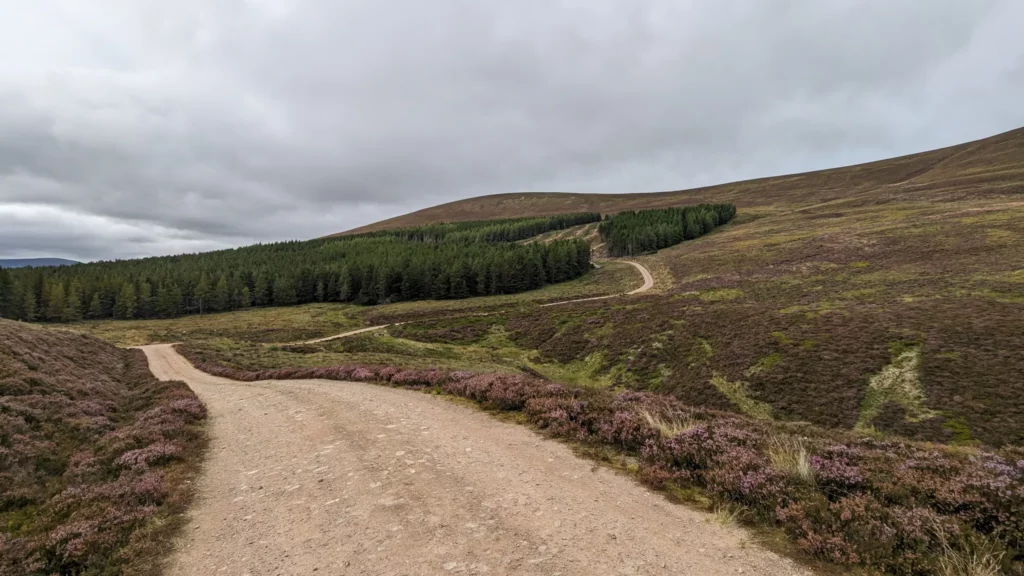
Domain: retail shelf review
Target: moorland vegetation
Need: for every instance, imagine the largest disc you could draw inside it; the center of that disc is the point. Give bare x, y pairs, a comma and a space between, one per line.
96, 455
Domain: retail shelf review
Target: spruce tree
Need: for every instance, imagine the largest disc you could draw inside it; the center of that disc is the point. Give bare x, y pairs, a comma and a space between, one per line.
55, 303
284, 291
201, 293
220, 298
73, 304
125, 303
345, 289
321, 292
246, 298
6, 294
28, 306
95, 307
262, 295
144, 300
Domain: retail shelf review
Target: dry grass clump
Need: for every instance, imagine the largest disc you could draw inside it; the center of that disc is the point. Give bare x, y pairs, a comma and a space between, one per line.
969, 557
788, 454
726, 515
668, 427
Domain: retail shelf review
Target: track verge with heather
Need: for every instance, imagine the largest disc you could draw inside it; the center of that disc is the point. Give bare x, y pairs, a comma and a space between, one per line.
353, 478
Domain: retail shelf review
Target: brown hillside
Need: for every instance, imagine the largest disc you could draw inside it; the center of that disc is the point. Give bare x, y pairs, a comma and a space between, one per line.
823, 281
991, 165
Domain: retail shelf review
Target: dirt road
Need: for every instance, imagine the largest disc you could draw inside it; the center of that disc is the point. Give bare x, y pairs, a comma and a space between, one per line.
648, 279
326, 477
647, 285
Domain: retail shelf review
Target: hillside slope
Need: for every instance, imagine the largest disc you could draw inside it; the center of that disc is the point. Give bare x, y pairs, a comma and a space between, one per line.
886, 296
95, 454
942, 174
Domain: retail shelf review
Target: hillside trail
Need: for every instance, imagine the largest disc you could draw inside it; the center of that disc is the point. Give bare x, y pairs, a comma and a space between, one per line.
644, 272
316, 476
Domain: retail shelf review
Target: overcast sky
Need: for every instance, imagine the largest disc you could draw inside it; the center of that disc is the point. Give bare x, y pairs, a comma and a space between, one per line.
141, 127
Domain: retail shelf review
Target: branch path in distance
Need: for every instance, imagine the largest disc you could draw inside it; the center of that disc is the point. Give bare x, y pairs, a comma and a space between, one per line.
325, 477
647, 285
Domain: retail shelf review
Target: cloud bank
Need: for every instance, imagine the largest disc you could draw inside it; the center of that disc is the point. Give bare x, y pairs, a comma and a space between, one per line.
136, 127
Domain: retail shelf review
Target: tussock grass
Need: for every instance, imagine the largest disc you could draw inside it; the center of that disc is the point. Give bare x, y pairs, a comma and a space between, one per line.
975, 556
727, 515
668, 427
788, 454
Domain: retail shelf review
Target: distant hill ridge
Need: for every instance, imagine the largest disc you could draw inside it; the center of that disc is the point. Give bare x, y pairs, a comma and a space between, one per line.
941, 174
35, 262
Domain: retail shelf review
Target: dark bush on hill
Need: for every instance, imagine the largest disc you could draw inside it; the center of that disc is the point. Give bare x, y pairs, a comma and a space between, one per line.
895, 506
631, 233
94, 455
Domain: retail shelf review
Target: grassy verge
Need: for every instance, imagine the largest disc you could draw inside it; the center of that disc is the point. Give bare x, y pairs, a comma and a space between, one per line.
844, 498
282, 324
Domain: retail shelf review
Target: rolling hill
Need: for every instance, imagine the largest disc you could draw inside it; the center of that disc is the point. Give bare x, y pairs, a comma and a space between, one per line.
34, 262
885, 296
988, 166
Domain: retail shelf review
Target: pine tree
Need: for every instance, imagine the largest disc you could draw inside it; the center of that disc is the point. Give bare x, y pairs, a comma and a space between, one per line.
55, 303
95, 307
6, 294
459, 289
219, 299
321, 292
245, 300
144, 300
346, 290
262, 295
125, 303
201, 293
284, 291
28, 306
73, 304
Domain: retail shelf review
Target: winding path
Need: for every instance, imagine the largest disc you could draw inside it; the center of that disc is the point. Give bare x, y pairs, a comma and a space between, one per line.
644, 272
323, 477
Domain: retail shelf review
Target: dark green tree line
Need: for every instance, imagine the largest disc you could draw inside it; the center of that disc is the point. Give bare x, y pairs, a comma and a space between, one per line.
640, 232
366, 269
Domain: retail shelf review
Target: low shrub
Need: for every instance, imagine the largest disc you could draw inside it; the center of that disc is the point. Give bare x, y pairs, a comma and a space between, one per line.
94, 454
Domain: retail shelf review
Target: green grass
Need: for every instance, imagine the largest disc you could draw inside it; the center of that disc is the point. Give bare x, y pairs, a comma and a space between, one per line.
285, 324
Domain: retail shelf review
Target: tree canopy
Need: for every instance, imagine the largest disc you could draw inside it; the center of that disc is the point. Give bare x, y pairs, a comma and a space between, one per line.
632, 232
438, 261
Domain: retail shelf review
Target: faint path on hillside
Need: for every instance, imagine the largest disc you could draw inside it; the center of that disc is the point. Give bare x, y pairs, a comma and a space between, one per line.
348, 478
647, 285
343, 335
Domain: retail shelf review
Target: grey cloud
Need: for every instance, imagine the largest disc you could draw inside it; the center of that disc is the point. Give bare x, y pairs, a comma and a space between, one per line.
222, 122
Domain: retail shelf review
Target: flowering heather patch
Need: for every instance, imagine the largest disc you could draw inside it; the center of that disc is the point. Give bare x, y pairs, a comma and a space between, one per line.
887, 505
94, 454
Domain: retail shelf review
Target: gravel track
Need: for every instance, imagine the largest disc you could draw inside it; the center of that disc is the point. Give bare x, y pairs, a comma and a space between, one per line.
311, 476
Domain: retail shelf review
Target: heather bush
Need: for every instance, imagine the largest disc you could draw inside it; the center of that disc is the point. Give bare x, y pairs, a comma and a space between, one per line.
889, 505
87, 436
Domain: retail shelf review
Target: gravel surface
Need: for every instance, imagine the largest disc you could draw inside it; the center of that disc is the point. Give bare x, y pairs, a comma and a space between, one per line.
310, 476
